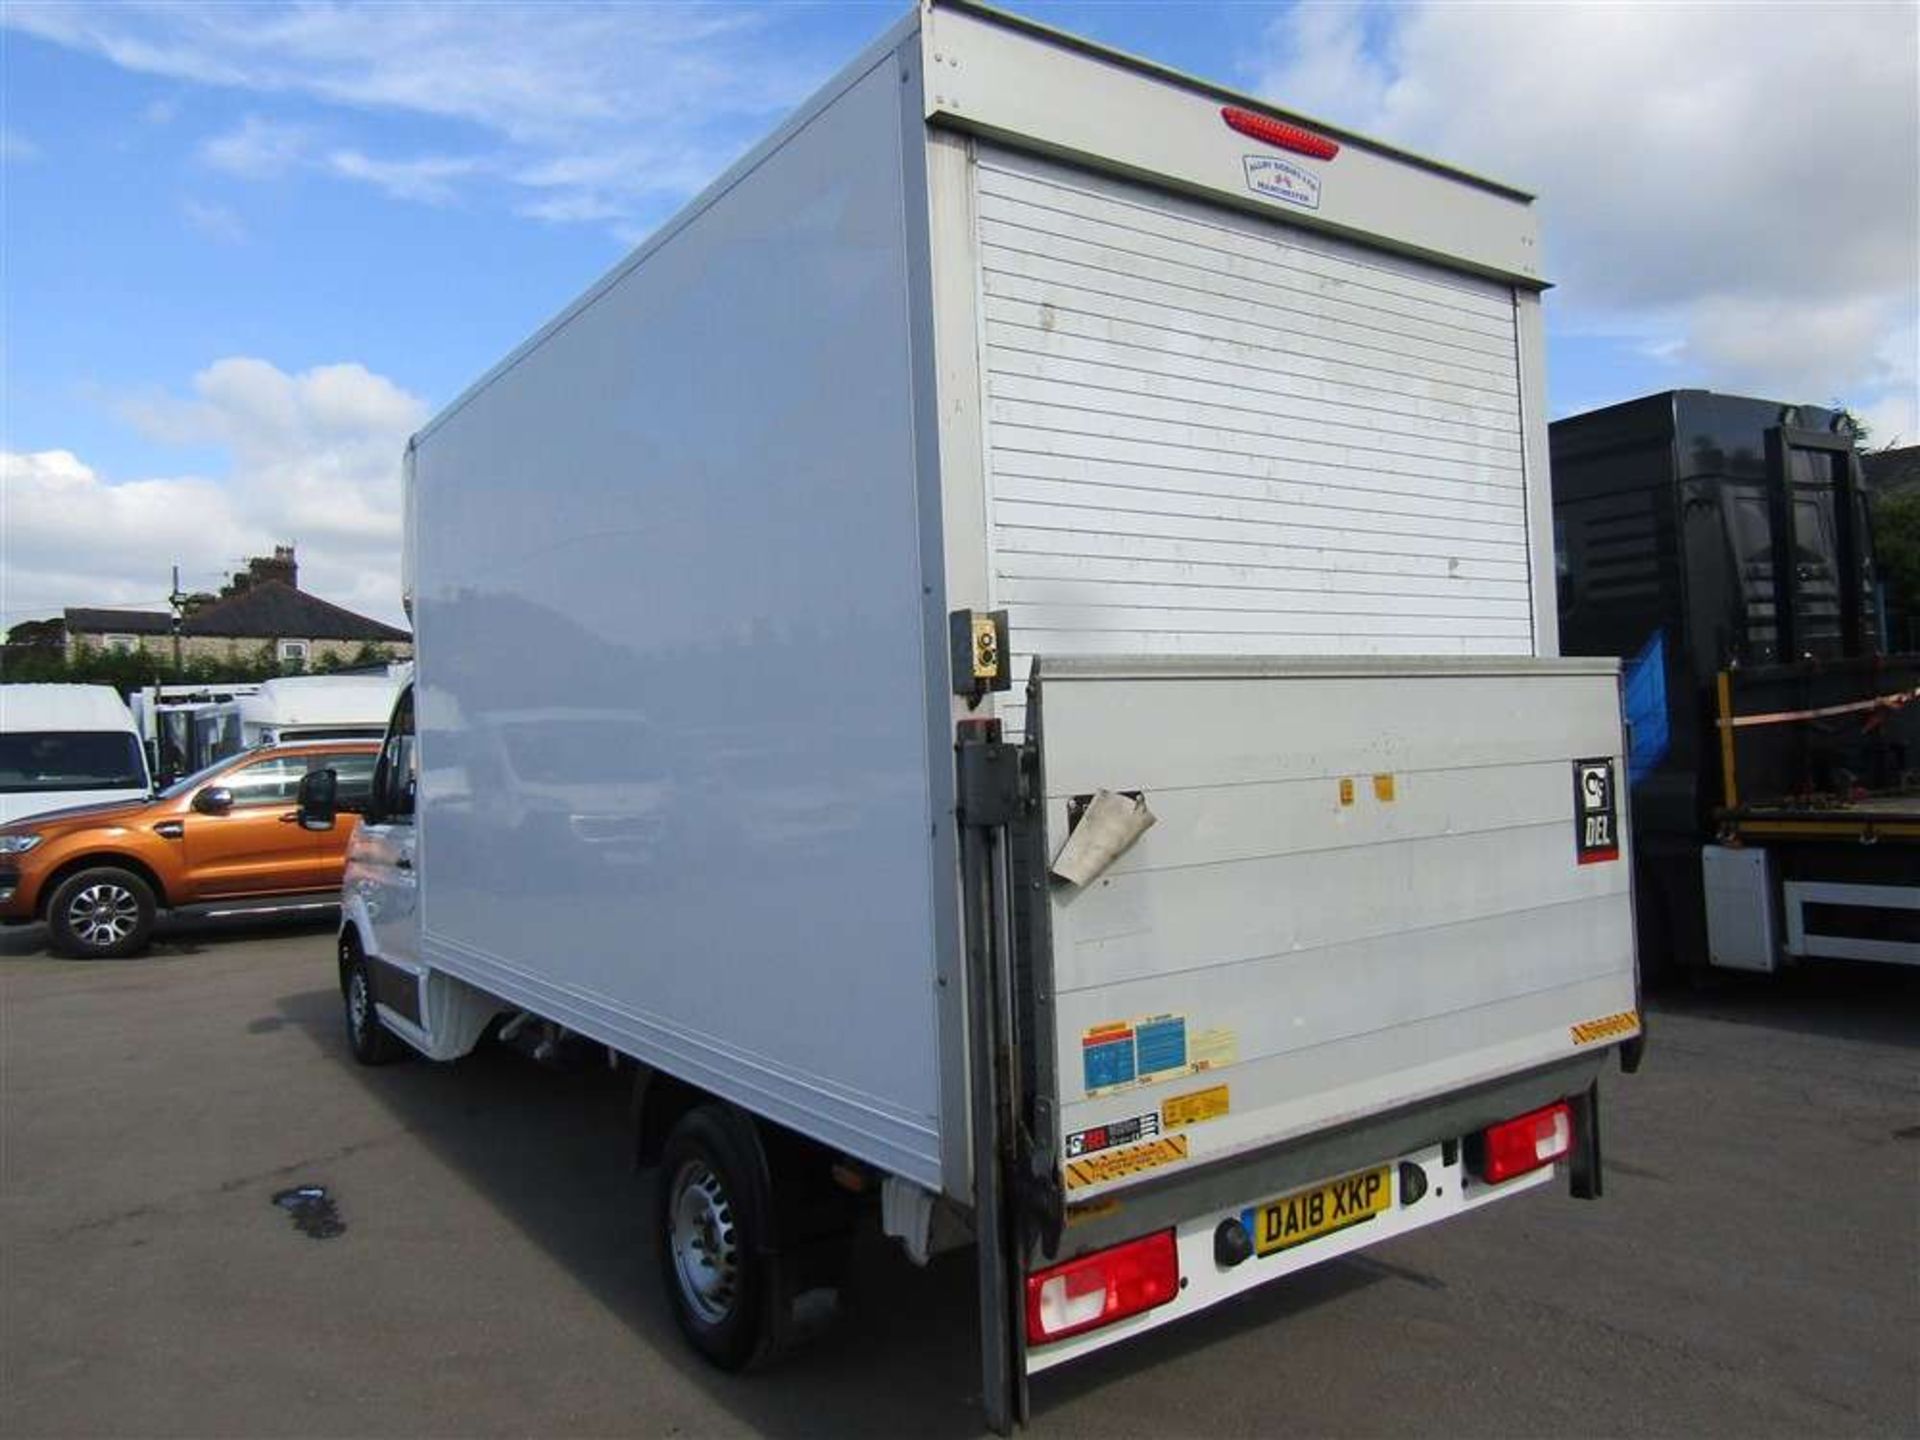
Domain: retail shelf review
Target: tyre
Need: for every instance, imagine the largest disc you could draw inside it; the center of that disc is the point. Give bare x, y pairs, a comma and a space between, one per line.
371, 1042
102, 913
713, 1210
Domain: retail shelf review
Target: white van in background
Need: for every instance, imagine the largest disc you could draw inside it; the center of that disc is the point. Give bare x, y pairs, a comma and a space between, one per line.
163, 714
298, 707
67, 745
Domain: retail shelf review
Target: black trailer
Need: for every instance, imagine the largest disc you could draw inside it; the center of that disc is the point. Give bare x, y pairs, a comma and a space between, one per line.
1722, 544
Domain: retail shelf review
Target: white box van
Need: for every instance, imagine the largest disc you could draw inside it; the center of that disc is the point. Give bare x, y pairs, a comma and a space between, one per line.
1005, 661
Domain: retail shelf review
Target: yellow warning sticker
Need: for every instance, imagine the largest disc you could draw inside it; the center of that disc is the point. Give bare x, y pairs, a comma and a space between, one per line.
1194, 1108
1610, 1027
1383, 788
1346, 789
1118, 1164
1092, 1210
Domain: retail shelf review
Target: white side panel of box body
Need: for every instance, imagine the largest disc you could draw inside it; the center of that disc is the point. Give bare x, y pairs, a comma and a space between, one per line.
677, 777
1363, 890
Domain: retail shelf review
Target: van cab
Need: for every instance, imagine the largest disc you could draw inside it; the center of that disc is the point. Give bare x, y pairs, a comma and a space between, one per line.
64, 745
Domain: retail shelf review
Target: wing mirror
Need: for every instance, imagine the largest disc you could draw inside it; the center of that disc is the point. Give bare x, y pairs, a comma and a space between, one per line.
319, 799
214, 800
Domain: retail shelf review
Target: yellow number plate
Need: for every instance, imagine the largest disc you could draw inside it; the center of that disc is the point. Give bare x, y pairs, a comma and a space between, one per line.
1308, 1214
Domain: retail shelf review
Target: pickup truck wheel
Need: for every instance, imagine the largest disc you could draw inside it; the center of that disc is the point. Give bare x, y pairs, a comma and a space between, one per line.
371, 1042
103, 914
711, 1220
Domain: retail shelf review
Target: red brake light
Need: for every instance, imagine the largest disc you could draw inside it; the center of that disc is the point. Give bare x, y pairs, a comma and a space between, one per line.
1100, 1288
1277, 132
1526, 1142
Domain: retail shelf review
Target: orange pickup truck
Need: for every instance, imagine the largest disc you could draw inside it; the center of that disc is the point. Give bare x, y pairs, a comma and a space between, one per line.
226, 839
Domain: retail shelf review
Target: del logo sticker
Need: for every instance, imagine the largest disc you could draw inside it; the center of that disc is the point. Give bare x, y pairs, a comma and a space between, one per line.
1282, 180
1596, 815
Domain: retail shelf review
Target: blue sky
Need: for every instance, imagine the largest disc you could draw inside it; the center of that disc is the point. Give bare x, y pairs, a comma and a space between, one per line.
246, 249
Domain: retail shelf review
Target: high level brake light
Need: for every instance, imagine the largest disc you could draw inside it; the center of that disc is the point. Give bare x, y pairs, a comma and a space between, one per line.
1267, 130
1526, 1142
1103, 1287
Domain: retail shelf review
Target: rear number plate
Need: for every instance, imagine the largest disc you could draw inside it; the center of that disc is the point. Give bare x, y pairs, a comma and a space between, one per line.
1308, 1214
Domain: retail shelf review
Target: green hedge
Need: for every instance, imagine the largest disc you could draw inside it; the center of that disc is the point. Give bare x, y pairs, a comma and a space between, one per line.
128, 672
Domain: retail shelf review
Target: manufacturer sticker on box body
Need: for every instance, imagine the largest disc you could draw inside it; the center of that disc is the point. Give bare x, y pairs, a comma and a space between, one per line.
1201, 1105
1596, 816
1282, 180
1131, 1160
1114, 1132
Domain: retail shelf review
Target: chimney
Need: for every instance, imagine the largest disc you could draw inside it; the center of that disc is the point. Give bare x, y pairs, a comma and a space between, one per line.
281, 567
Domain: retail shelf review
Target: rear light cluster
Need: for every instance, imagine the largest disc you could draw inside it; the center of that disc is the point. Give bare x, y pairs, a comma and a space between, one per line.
1103, 1287
1270, 131
1526, 1142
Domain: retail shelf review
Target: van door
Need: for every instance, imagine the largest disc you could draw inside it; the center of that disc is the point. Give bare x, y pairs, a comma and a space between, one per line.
382, 873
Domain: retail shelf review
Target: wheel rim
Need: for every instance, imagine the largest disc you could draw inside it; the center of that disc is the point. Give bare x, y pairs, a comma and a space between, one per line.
359, 1003
701, 1233
103, 914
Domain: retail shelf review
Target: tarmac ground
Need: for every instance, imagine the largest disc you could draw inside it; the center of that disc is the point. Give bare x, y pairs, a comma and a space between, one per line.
481, 1264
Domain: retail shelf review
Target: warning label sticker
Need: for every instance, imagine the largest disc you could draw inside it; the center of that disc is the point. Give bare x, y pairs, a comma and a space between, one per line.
1131, 1160
1609, 1027
1193, 1109
1106, 1057
1160, 1044
1210, 1049
1124, 1053
1153, 1049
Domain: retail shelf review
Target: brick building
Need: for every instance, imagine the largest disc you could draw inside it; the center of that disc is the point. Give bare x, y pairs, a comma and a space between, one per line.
261, 606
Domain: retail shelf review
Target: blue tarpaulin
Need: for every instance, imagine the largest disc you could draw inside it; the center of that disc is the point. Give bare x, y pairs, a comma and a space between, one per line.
1648, 733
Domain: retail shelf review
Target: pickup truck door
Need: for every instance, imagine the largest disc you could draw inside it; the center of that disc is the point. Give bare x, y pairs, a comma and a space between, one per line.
256, 847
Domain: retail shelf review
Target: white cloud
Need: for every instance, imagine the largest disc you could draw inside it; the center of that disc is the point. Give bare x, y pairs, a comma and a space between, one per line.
70, 538
258, 149
215, 221
15, 146
1736, 191
313, 458
647, 100
427, 178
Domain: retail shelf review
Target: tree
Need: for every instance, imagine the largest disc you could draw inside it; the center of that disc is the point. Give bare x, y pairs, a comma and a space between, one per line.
39, 633
1896, 543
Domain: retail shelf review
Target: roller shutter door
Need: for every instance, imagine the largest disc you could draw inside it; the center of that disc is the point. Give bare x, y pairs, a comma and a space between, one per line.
1211, 433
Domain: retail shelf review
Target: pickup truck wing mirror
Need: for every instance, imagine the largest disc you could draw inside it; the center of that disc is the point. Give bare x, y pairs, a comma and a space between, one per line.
319, 799
213, 800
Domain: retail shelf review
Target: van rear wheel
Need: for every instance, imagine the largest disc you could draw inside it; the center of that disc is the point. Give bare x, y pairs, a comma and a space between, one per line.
103, 913
712, 1219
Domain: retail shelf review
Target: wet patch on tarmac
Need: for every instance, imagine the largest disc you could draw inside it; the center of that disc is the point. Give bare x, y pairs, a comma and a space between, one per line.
314, 1213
